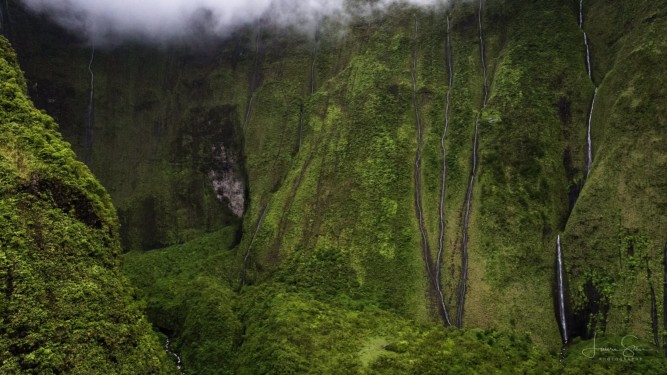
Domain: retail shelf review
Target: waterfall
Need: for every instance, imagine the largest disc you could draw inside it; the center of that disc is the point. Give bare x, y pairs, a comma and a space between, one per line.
418, 159
312, 75
443, 179
560, 285
177, 358
254, 81
246, 257
588, 57
589, 142
588, 49
589, 70
463, 288
88, 141
464, 243
300, 126
482, 52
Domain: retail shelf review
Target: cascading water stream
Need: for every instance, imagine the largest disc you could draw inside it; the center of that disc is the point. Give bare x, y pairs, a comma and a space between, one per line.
463, 287
418, 157
88, 141
589, 142
300, 127
443, 181
179, 362
253, 81
589, 70
312, 75
246, 257
560, 293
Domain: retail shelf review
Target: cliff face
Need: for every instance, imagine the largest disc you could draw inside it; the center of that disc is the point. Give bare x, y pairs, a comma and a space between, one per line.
313, 141
65, 307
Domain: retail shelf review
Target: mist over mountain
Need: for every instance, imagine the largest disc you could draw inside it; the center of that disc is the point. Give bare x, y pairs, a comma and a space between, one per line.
108, 22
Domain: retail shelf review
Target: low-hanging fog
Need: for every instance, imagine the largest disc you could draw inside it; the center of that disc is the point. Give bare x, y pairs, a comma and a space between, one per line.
107, 21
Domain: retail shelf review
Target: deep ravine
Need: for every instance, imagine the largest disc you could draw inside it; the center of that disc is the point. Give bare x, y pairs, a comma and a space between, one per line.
463, 284
443, 180
560, 293
88, 138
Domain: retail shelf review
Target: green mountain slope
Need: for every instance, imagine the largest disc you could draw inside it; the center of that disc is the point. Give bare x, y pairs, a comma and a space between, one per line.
322, 133
65, 307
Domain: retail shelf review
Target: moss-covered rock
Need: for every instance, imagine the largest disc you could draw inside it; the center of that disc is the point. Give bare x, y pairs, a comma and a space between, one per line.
65, 307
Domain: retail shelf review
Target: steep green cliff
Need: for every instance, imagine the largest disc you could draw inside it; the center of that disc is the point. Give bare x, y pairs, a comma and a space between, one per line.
65, 307
317, 137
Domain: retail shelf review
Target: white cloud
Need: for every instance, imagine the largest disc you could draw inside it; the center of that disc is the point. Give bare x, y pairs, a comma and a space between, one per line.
104, 21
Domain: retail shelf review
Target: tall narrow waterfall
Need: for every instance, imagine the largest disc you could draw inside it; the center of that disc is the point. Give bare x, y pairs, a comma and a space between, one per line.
443, 179
589, 70
246, 257
463, 285
254, 80
560, 293
589, 142
88, 140
418, 161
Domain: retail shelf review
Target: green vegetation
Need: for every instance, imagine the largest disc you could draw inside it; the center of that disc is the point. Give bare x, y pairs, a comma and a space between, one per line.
65, 307
329, 246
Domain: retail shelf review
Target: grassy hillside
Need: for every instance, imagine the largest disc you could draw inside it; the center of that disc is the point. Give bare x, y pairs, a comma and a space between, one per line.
322, 132
65, 307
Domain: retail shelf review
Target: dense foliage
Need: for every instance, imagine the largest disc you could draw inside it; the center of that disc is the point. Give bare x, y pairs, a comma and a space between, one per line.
328, 274
65, 307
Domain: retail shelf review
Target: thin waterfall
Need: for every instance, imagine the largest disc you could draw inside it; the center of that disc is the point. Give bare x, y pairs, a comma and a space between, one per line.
560, 286
312, 86
246, 257
589, 70
443, 179
300, 126
312, 75
177, 358
463, 285
253, 81
88, 141
418, 159
588, 49
589, 142
482, 52
588, 57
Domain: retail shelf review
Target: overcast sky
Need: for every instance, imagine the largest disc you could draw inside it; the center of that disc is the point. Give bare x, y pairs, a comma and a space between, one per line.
104, 21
